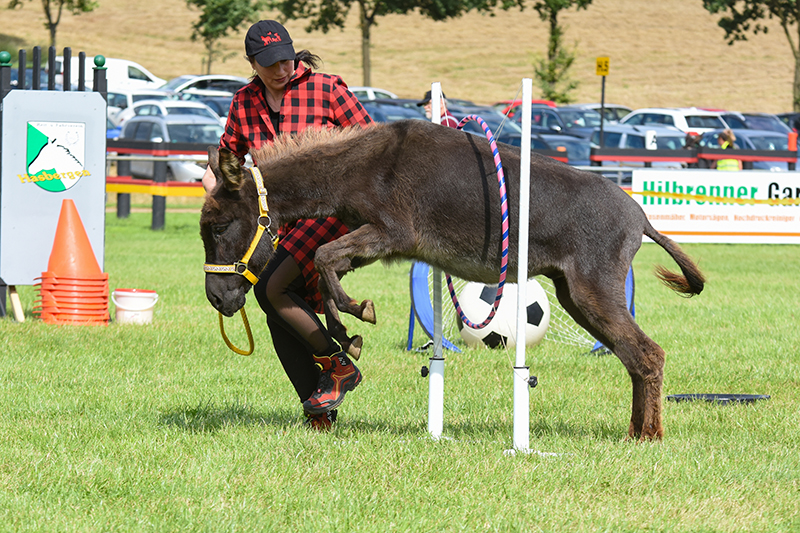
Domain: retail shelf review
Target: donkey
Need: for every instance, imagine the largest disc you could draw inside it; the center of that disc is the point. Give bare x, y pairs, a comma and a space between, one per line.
415, 190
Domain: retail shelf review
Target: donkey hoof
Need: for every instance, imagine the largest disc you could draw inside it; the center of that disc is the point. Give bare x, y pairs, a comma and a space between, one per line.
368, 311
354, 349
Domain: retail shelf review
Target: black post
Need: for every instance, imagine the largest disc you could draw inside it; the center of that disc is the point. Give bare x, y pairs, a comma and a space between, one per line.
81, 71
100, 83
3, 290
22, 61
159, 202
36, 81
5, 74
66, 70
51, 68
602, 109
123, 198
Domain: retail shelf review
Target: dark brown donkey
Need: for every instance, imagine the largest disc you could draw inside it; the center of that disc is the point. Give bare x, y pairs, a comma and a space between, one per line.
414, 190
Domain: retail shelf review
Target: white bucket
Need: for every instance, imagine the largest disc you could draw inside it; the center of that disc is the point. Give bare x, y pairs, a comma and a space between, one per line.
134, 306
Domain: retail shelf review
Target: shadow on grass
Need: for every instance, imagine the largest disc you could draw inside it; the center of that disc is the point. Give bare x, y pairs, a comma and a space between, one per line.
539, 429
209, 418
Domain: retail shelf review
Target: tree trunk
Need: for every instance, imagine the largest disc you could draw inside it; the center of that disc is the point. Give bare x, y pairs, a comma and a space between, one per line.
554, 40
365, 61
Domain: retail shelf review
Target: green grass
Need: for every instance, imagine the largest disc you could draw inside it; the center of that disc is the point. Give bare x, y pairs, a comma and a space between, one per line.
162, 428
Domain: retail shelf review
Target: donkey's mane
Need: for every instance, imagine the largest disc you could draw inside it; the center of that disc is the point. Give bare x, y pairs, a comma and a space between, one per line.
310, 140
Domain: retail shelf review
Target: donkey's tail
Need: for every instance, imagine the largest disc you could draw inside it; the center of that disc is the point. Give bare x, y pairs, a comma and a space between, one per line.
692, 280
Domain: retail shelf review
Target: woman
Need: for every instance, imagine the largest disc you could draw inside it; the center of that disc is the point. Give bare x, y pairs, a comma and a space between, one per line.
726, 139
286, 97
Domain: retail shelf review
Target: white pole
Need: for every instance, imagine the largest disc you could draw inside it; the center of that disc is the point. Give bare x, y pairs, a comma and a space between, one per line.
436, 363
521, 371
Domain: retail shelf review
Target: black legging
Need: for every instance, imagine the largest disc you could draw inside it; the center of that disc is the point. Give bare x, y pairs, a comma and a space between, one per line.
297, 333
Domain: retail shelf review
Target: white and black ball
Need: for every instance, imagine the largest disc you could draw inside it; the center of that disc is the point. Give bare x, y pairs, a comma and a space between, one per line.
476, 302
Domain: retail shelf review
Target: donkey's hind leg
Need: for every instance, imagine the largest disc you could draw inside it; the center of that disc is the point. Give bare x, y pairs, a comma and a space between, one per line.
604, 314
362, 246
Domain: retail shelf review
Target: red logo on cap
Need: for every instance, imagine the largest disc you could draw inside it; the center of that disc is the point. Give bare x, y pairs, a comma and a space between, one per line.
270, 37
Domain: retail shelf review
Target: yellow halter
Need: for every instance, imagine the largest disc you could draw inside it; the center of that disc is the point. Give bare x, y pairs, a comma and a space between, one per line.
241, 267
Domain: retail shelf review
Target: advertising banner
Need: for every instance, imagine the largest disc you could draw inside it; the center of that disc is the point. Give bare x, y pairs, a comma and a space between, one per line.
721, 207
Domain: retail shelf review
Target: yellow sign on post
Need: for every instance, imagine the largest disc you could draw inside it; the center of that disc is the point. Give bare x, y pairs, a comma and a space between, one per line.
602, 66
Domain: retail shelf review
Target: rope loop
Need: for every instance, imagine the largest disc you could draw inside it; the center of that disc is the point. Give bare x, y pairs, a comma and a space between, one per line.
246, 328
501, 181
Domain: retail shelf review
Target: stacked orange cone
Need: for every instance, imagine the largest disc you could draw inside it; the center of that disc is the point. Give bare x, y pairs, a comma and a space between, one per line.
73, 290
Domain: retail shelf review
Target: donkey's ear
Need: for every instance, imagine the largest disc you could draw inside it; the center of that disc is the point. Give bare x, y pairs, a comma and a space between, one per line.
213, 160
226, 167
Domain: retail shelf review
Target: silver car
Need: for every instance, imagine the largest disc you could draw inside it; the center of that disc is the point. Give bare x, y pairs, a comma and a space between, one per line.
172, 129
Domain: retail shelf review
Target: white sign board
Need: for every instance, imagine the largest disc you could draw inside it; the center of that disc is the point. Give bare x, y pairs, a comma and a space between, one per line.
53, 148
721, 207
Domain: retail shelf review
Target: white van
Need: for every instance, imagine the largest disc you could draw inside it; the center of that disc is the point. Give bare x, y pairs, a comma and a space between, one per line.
120, 74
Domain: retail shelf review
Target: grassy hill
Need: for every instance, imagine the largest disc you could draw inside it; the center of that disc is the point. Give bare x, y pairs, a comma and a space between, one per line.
665, 53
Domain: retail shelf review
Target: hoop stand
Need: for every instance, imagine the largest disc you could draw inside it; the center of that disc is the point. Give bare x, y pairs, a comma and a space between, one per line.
521, 372
436, 375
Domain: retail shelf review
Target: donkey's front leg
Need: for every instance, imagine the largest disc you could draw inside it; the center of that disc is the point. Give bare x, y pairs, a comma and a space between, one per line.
352, 345
362, 246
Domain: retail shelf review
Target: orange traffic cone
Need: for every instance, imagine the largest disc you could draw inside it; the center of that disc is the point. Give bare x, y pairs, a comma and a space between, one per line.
72, 255
74, 290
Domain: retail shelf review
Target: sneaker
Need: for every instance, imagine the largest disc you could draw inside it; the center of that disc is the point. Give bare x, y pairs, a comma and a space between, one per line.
321, 422
339, 375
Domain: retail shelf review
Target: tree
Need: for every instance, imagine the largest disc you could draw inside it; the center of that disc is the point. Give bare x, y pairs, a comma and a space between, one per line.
746, 16
53, 10
217, 17
551, 72
327, 14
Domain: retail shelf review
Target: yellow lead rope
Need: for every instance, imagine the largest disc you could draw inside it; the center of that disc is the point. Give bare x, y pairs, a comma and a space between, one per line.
246, 328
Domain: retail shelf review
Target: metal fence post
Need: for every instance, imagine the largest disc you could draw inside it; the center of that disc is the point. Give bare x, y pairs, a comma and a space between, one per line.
159, 202
123, 198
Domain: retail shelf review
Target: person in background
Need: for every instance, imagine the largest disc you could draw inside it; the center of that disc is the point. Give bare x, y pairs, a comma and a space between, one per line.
726, 139
447, 119
285, 96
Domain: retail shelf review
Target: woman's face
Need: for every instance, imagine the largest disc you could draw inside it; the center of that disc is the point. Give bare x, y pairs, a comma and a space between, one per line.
275, 76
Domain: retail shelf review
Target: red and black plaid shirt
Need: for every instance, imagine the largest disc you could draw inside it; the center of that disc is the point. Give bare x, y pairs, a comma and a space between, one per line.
310, 100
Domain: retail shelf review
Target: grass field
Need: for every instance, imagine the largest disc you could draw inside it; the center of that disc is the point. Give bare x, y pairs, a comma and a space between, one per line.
665, 53
162, 428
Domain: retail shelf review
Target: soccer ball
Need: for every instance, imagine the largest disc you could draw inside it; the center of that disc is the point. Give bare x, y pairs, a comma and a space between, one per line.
476, 302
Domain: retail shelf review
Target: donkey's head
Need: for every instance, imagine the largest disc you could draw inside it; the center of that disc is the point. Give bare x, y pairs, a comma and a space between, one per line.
228, 224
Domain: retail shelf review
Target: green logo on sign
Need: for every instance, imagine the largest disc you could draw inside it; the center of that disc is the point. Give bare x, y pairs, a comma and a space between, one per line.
55, 154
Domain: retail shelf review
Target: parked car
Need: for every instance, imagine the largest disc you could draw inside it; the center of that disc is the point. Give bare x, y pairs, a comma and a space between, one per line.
220, 105
748, 139
119, 100
371, 93
686, 119
112, 131
612, 113
638, 137
509, 106
578, 149
166, 107
29, 79
198, 85
790, 119
755, 121
172, 129
120, 73
567, 120
515, 139
392, 110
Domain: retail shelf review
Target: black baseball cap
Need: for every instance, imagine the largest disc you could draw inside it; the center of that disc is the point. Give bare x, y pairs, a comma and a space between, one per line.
268, 42
427, 99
